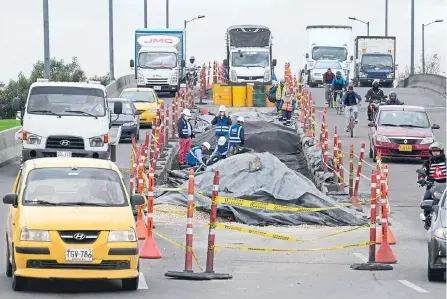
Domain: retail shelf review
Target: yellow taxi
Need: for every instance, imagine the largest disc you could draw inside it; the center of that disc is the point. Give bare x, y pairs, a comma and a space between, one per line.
71, 218
145, 100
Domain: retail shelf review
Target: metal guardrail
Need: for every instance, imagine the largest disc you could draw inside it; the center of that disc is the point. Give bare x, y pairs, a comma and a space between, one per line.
435, 83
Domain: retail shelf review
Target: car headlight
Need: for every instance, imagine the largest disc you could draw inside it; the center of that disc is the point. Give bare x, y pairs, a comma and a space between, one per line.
34, 235
152, 110
129, 124
382, 138
233, 76
140, 78
363, 75
122, 236
441, 233
267, 75
99, 141
437, 194
31, 138
427, 140
389, 76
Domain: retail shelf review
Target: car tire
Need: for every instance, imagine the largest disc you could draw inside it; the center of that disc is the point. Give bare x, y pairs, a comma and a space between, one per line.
18, 283
130, 284
8, 263
435, 274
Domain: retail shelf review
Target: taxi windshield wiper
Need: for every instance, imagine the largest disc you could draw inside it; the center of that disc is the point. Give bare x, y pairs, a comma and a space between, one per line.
44, 111
42, 202
83, 203
81, 112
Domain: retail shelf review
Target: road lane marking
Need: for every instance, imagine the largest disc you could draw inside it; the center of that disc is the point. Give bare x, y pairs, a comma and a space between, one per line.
361, 257
412, 286
142, 285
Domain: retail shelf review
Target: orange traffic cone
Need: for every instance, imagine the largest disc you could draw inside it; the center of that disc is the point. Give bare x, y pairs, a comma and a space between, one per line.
390, 237
141, 227
149, 250
385, 254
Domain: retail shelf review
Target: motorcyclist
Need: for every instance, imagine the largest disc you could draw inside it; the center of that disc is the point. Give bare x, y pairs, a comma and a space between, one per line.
338, 83
392, 99
375, 93
351, 99
192, 67
327, 81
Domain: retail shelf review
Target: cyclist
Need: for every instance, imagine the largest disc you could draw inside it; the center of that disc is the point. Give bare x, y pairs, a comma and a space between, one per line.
351, 99
327, 80
375, 93
338, 84
392, 99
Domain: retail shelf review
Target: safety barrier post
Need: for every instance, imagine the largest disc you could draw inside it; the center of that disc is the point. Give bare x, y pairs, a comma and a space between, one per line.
167, 124
340, 165
140, 226
326, 150
385, 254
386, 234
209, 76
355, 197
153, 162
351, 171
161, 125
372, 265
149, 249
335, 156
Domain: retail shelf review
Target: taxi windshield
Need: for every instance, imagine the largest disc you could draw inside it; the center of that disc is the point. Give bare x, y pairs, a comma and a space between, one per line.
139, 96
74, 187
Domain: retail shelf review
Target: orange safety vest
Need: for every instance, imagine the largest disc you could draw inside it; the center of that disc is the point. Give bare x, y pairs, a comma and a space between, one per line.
287, 105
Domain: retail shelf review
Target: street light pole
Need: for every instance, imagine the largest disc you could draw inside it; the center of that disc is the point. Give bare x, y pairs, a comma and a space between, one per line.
167, 13
367, 23
367, 28
386, 17
145, 13
111, 58
46, 41
184, 27
412, 39
423, 42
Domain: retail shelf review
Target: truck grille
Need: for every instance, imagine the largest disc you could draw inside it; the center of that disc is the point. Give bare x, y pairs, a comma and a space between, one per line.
155, 81
65, 142
250, 78
104, 265
402, 140
69, 236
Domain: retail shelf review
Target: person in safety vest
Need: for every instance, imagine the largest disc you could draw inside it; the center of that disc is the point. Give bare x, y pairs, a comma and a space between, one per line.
434, 167
280, 93
195, 156
185, 133
392, 99
222, 123
221, 150
237, 136
287, 106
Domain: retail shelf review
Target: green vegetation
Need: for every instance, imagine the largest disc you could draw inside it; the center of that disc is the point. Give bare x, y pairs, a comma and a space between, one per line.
6, 124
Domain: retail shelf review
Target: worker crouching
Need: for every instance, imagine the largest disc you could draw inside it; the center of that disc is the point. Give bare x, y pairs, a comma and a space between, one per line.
220, 152
195, 156
288, 105
237, 136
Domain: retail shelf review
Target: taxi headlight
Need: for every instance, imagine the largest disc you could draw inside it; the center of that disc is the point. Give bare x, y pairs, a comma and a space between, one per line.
427, 140
34, 235
441, 233
122, 236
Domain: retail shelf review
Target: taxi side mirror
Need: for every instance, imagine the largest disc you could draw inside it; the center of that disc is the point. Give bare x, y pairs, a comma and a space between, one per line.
137, 200
10, 199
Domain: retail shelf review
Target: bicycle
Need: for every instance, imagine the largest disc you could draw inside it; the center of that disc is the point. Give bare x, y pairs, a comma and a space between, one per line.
337, 102
352, 118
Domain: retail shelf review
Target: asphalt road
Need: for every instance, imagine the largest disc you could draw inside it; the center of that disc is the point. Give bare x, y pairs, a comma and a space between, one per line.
321, 274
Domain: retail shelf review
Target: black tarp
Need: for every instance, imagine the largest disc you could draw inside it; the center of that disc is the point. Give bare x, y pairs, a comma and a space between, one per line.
242, 37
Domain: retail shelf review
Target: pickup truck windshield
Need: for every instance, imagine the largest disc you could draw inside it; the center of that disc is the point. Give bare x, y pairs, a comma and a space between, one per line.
330, 53
377, 60
66, 100
139, 96
74, 187
157, 60
408, 119
250, 59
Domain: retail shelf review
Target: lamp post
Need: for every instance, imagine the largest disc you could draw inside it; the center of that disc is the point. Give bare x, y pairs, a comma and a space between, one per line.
423, 42
386, 17
367, 23
111, 58
145, 13
167, 13
188, 21
46, 41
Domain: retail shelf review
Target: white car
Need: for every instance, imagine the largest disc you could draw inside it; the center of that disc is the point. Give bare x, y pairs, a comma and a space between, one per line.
321, 66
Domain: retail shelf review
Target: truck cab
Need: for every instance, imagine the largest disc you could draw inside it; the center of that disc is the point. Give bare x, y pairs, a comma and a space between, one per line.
249, 55
159, 60
65, 119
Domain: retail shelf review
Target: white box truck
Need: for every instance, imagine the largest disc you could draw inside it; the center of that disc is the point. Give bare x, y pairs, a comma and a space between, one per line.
249, 55
375, 59
328, 42
159, 61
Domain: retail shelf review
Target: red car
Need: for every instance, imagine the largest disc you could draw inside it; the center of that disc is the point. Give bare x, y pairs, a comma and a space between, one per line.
400, 131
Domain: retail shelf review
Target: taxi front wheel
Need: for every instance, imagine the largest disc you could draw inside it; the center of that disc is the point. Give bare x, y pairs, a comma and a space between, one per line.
8, 263
130, 284
18, 283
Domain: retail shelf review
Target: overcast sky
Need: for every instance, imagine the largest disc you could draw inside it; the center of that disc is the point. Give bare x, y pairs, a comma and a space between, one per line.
80, 28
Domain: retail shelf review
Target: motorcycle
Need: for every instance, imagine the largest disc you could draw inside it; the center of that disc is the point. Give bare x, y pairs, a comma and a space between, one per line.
191, 77
374, 106
436, 190
337, 95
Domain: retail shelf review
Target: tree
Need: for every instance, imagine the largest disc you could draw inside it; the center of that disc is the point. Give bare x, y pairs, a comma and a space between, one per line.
432, 66
105, 80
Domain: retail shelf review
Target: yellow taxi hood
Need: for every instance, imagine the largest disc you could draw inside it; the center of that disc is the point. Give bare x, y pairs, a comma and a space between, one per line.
76, 218
145, 106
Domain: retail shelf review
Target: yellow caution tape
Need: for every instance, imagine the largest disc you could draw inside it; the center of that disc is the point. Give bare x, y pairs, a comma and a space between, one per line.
281, 237
180, 245
273, 207
219, 247
170, 189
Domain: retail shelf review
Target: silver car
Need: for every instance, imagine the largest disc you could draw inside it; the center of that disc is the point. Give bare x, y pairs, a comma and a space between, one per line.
321, 66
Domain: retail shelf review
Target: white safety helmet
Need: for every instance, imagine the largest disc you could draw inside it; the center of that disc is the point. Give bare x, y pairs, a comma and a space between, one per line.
221, 140
186, 112
207, 145
240, 119
222, 108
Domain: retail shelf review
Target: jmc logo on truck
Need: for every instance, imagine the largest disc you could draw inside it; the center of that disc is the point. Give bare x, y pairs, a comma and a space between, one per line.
159, 40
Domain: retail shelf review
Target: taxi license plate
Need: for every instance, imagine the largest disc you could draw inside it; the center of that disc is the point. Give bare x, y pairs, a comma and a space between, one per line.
64, 154
405, 148
157, 87
79, 255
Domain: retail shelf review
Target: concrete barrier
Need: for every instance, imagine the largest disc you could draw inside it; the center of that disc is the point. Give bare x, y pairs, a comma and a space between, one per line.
435, 83
10, 146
